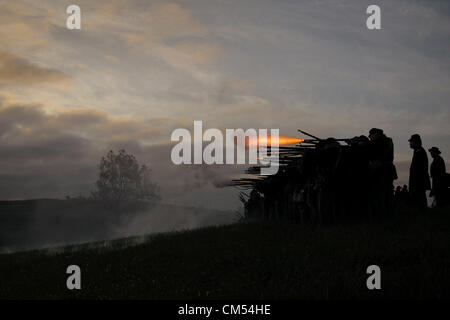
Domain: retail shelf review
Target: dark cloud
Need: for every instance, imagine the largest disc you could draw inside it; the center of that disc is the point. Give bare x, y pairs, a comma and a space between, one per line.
15, 70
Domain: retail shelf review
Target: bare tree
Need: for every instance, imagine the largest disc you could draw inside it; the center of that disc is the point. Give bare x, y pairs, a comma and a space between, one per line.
121, 178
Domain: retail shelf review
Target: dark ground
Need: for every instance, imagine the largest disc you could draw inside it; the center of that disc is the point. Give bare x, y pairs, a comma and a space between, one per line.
250, 260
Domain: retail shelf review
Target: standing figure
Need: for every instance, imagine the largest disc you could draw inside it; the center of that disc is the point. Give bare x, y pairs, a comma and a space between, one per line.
438, 176
419, 180
382, 172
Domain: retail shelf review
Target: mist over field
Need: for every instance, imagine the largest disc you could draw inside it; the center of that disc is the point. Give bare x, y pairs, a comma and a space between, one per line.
47, 223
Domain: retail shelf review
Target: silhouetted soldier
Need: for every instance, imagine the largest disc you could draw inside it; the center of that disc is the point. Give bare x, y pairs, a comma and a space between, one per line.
383, 172
419, 180
359, 176
438, 175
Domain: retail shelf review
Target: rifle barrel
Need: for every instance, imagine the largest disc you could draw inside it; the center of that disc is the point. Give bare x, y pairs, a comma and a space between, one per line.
309, 135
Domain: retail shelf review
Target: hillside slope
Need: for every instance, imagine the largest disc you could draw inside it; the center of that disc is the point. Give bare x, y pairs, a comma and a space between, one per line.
247, 261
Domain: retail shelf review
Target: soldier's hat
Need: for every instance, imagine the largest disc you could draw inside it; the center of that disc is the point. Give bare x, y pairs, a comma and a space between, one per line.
415, 137
435, 149
375, 131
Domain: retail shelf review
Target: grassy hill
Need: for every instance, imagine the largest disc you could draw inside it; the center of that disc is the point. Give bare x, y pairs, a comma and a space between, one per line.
250, 260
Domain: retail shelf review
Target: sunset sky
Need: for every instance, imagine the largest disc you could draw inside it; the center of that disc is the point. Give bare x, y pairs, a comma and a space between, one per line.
139, 69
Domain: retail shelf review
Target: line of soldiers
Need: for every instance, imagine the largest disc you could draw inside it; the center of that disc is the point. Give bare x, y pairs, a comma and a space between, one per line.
331, 182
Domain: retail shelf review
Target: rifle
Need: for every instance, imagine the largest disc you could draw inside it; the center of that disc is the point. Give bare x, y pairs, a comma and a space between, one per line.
316, 140
309, 135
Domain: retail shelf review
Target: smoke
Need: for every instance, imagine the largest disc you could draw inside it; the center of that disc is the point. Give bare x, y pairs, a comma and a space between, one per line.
34, 224
165, 218
198, 176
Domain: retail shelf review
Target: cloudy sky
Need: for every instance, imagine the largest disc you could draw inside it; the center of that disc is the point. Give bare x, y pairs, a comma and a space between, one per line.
139, 69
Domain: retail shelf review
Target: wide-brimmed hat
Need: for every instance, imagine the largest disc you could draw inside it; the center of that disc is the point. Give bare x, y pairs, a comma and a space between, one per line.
435, 149
415, 137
